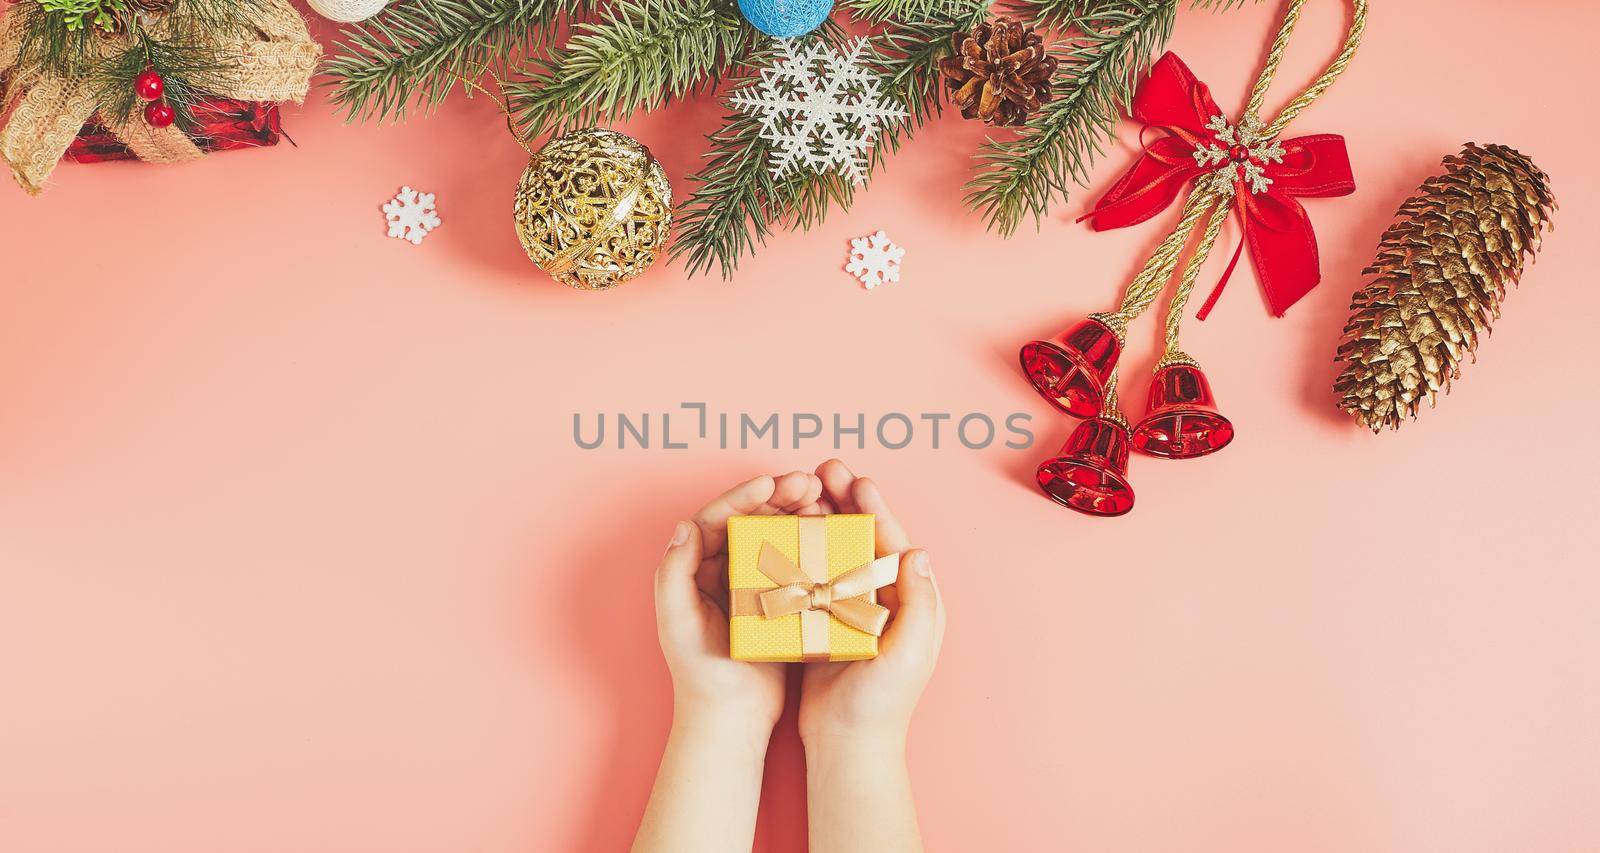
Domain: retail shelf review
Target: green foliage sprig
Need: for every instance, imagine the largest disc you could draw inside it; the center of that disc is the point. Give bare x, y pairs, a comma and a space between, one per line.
639, 56
910, 11
109, 43
1106, 46
624, 56
1020, 176
736, 202
79, 14
414, 53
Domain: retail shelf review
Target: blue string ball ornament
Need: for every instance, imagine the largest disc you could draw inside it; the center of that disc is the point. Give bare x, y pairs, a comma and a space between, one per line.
785, 19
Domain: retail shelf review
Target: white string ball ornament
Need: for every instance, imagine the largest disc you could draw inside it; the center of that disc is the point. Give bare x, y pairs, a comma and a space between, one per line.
347, 11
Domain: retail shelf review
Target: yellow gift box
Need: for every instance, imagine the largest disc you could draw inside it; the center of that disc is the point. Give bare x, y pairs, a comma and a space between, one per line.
804, 588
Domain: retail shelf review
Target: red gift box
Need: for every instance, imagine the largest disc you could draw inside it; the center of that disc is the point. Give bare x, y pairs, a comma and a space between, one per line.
222, 124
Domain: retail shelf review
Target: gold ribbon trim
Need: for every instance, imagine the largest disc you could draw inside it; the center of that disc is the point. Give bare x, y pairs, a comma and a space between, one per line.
566, 261
805, 589
275, 64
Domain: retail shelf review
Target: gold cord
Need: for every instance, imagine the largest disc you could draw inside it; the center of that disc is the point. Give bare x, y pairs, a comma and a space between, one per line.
502, 100
1111, 411
1358, 27
1157, 271
1180, 297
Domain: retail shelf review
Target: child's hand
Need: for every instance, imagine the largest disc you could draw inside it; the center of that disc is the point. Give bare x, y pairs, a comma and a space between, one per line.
870, 701
709, 687
709, 783
854, 716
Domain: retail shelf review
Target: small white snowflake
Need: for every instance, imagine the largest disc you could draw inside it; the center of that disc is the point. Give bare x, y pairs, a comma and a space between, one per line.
820, 109
1258, 151
875, 259
411, 215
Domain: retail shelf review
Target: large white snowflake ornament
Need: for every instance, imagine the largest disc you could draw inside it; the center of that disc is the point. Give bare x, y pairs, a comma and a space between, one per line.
1235, 148
875, 259
411, 215
820, 109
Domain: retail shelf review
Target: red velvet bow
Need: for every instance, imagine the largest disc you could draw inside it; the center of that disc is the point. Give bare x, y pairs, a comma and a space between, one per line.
1276, 227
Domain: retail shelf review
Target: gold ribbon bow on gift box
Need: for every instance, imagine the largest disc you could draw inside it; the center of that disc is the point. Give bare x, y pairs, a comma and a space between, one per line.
274, 62
805, 589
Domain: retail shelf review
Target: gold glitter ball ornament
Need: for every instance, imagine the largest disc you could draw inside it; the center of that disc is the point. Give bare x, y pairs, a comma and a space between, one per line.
593, 209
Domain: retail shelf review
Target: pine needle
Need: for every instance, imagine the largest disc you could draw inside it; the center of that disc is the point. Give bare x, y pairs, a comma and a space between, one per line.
1021, 176
1053, 14
738, 203
185, 49
1108, 45
411, 53
189, 67
642, 55
908, 11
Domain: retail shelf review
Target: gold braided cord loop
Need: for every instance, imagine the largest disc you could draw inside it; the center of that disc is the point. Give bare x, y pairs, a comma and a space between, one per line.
1174, 354
1280, 43
1110, 410
1358, 27
1191, 272
1141, 293
503, 101
1150, 281
1178, 357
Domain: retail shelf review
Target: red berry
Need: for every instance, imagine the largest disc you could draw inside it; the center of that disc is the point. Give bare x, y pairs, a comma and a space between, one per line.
159, 114
149, 85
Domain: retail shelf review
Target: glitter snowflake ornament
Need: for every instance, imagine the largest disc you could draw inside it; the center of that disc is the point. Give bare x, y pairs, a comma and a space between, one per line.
411, 215
875, 260
1246, 150
821, 110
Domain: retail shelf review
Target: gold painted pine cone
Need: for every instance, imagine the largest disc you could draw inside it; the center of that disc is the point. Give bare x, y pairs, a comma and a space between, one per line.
1441, 273
1000, 72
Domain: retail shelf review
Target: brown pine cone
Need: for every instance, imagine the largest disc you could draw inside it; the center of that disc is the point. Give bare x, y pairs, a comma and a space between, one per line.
1000, 72
1441, 273
151, 5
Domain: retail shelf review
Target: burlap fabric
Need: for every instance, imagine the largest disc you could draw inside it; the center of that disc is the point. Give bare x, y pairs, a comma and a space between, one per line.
273, 63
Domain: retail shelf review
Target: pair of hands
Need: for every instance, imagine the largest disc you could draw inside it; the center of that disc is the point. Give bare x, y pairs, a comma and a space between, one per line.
847, 701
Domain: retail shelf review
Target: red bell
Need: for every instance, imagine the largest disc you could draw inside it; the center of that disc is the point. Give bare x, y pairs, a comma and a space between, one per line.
1071, 370
1090, 474
1181, 420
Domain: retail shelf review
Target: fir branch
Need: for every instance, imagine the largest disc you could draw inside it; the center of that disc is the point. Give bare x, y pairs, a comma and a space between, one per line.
908, 11
736, 200
738, 203
67, 36
411, 53
1060, 14
1109, 43
1064, 14
109, 44
189, 65
907, 56
642, 55
49, 43
217, 17
1021, 176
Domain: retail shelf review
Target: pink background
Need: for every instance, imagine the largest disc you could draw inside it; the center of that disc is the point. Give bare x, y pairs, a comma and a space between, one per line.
298, 552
